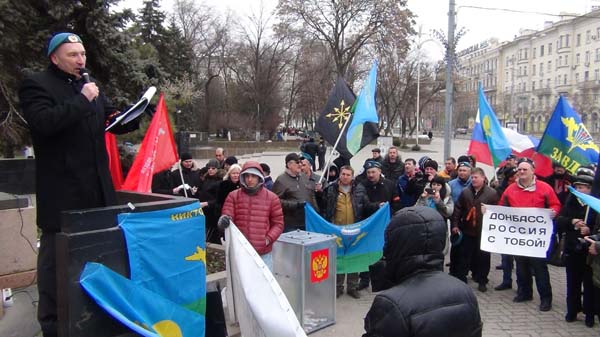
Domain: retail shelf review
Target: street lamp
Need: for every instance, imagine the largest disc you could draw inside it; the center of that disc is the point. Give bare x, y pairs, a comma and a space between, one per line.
419, 46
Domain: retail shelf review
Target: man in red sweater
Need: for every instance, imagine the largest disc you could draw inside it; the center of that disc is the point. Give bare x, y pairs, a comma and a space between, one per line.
255, 210
529, 192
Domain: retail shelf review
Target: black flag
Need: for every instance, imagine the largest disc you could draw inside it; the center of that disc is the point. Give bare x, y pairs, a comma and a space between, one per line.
334, 115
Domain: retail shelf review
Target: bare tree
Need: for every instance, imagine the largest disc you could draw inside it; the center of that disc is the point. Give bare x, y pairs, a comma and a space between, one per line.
346, 26
258, 64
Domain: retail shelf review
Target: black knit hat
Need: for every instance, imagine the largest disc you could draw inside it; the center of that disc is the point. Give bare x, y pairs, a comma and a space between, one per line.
231, 160
185, 156
430, 163
266, 169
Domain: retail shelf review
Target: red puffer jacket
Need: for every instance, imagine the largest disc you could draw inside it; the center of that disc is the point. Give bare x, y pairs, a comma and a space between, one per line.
258, 217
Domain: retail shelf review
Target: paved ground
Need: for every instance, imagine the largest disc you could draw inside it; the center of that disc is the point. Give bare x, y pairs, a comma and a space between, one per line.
500, 315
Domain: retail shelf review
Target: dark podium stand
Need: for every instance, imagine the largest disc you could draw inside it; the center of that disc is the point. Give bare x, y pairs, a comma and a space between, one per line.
92, 235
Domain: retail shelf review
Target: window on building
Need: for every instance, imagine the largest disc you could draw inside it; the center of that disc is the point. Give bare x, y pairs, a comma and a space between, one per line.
576, 77
547, 83
533, 85
566, 41
542, 50
586, 75
541, 84
597, 54
567, 60
577, 58
550, 48
596, 74
549, 66
559, 62
533, 53
587, 57
578, 40
525, 52
525, 71
533, 70
565, 79
559, 42
541, 69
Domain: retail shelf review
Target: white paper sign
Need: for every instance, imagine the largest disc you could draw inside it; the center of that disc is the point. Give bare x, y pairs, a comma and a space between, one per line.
523, 231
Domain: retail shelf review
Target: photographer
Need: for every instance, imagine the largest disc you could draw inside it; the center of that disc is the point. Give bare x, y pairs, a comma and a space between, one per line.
437, 195
572, 221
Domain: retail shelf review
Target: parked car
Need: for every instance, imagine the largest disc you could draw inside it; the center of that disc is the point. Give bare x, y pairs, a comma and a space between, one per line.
461, 131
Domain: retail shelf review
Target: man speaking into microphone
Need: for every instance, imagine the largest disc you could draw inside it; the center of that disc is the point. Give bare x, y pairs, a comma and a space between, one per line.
66, 113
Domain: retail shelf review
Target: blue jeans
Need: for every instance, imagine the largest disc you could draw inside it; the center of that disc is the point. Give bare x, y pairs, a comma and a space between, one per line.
525, 267
507, 267
268, 260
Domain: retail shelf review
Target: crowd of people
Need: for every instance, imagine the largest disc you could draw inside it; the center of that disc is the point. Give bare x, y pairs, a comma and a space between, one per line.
456, 192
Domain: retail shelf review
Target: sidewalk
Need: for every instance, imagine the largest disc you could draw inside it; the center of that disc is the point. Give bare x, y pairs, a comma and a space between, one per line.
501, 317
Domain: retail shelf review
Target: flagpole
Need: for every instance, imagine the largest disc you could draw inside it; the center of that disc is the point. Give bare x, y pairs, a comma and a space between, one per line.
182, 182
334, 149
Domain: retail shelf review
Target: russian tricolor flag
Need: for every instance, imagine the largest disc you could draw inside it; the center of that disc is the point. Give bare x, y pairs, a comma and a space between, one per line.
521, 145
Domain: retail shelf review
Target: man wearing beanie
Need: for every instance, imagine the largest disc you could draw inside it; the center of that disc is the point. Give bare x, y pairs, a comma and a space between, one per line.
186, 179
66, 115
293, 189
417, 298
255, 210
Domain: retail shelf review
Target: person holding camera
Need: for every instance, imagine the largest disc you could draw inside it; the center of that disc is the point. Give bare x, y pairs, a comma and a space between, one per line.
437, 195
572, 222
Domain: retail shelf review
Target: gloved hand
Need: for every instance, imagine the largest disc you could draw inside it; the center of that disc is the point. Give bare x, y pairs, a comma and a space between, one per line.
223, 222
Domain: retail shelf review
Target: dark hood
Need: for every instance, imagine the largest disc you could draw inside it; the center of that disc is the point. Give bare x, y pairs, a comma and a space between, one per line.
414, 241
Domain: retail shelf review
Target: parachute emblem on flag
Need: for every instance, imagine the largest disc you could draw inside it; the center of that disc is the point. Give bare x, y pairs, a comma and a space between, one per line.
340, 115
578, 135
487, 126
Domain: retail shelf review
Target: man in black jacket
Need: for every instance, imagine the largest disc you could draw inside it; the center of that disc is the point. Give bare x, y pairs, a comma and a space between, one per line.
417, 298
66, 115
379, 191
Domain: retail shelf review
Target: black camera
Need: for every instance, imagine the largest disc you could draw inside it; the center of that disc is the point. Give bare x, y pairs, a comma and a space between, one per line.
584, 245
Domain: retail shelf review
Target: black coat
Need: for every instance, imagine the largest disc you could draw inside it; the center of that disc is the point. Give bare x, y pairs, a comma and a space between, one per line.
383, 190
225, 187
68, 138
418, 298
392, 171
572, 209
330, 196
190, 176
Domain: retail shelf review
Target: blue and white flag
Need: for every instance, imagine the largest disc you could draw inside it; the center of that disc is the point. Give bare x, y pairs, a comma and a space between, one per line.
359, 244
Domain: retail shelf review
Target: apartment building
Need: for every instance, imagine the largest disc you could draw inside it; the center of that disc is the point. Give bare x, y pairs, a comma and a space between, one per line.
524, 77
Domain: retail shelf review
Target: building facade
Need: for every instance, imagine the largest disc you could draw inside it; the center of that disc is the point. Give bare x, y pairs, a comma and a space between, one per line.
523, 78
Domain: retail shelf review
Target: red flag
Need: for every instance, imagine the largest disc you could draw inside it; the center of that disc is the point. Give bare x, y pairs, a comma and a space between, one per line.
157, 152
114, 160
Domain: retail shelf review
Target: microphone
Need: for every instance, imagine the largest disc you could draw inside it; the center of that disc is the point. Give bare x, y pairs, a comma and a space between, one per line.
85, 74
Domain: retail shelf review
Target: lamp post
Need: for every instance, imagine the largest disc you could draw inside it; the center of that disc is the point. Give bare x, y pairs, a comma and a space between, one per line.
418, 106
449, 84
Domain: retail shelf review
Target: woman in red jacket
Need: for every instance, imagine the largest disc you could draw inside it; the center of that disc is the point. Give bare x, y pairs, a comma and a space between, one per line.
255, 210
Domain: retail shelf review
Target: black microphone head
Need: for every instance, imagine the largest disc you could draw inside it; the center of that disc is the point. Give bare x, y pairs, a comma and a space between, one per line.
85, 74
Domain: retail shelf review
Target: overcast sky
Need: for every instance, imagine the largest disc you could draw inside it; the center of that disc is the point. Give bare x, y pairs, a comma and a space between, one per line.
480, 23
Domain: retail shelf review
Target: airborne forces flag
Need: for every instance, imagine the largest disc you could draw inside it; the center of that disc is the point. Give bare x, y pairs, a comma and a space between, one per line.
338, 109
566, 140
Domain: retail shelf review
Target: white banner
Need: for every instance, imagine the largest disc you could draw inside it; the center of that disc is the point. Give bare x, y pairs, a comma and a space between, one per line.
260, 305
522, 231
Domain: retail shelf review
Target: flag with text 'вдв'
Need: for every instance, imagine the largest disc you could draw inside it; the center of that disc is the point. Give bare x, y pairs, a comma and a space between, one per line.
359, 245
335, 114
566, 140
